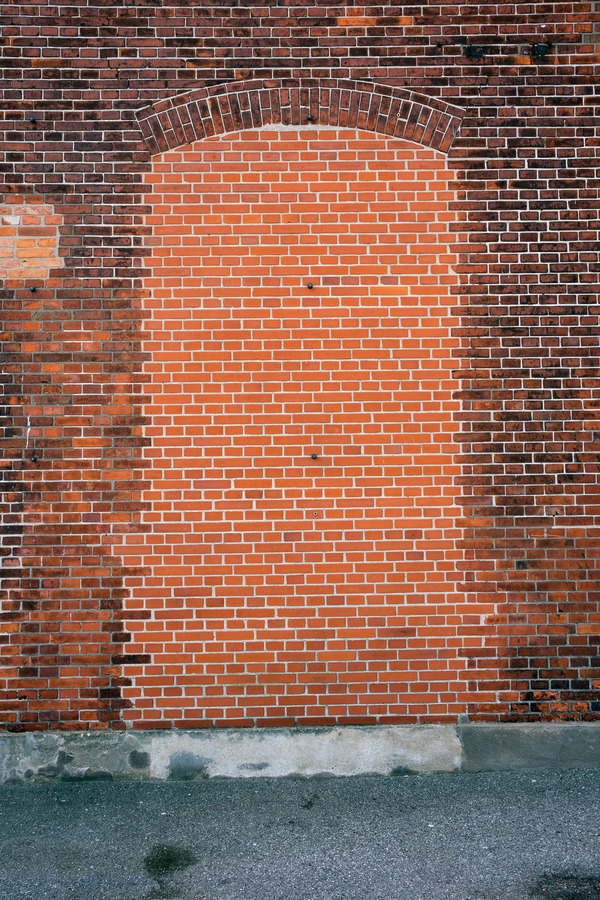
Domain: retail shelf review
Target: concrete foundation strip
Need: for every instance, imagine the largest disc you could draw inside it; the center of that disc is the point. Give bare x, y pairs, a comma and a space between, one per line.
277, 752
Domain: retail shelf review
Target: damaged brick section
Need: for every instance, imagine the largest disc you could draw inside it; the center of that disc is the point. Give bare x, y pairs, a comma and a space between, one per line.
29, 238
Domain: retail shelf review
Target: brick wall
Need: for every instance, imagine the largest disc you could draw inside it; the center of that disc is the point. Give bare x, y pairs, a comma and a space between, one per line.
285, 587
98, 103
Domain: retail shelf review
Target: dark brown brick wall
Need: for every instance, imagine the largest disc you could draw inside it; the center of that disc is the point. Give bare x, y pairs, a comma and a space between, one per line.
73, 80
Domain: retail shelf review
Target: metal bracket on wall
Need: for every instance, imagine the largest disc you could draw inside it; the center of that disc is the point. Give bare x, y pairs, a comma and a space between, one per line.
474, 51
540, 51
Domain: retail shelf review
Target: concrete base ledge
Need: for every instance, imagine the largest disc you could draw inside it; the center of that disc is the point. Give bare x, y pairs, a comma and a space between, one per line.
277, 752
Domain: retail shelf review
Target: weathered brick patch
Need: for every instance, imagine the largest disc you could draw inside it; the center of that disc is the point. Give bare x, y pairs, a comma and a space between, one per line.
29, 240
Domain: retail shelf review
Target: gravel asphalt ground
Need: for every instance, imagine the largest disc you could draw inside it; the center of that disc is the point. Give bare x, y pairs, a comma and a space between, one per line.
501, 836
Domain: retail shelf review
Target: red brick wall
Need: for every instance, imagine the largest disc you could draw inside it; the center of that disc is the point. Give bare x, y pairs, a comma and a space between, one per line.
285, 588
87, 97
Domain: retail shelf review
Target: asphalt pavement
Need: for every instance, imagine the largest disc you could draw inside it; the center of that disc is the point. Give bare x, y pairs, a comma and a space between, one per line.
501, 836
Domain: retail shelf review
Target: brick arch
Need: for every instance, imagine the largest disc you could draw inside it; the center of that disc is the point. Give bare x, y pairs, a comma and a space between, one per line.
240, 105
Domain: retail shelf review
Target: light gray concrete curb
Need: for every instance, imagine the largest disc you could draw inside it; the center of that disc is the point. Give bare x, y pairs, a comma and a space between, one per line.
276, 752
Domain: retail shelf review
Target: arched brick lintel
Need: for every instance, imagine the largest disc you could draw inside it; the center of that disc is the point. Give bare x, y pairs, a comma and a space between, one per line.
239, 105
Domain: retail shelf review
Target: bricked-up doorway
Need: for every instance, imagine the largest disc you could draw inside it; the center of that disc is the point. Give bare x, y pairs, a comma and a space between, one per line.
302, 542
